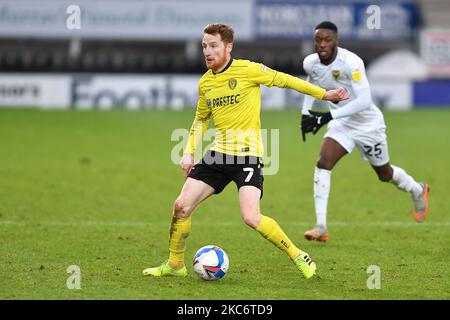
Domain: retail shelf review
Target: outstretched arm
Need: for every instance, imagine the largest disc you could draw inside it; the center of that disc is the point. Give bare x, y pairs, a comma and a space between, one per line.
284, 80
262, 74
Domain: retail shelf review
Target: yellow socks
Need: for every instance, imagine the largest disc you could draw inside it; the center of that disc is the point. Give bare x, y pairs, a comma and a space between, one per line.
179, 231
270, 230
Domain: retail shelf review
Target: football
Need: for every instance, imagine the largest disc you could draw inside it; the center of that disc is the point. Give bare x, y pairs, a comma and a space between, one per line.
211, 262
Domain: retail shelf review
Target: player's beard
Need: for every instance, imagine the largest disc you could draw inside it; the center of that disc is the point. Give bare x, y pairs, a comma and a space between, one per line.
219, 61
327, 59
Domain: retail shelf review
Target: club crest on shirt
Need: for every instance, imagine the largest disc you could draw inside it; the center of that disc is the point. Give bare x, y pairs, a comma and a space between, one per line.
336, 74
208, 102
232, 83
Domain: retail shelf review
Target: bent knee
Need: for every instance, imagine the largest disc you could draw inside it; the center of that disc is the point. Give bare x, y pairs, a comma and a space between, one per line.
385, 173
325, 163
384, 177
252, 220
180, 208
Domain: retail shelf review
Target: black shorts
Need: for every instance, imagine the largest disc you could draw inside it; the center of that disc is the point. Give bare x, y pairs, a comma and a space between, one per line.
218, 170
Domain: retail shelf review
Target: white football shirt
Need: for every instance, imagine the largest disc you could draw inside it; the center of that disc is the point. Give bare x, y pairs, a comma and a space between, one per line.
347, 71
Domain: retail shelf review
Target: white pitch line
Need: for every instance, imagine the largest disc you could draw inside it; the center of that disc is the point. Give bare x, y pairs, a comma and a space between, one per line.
402, 224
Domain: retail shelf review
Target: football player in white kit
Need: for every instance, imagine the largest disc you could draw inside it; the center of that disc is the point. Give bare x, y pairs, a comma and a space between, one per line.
353, 122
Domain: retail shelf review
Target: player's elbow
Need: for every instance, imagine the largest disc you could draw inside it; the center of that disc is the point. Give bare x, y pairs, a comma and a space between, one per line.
279, 81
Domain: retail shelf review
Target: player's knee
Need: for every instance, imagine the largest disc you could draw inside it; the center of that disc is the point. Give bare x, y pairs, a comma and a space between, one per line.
325, 163
251, 220
180, 209
385, 176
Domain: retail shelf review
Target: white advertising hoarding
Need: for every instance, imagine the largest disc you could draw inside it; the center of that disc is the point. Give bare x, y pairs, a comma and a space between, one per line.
134, 92
31, 90
155, 92
131, 91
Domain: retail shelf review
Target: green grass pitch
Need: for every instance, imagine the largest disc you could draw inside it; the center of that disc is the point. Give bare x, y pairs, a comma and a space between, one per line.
95, 189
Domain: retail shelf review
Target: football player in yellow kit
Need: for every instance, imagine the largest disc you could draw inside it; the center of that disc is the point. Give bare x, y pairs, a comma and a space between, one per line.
229, 93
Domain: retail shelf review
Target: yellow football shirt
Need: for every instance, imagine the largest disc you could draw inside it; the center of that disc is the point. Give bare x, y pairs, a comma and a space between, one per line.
232, 98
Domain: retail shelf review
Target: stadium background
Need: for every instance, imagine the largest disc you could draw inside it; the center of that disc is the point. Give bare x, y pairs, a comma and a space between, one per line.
95, 188
154, 45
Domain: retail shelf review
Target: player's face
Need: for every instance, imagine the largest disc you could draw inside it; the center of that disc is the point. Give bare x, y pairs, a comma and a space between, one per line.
325, 43
216, 51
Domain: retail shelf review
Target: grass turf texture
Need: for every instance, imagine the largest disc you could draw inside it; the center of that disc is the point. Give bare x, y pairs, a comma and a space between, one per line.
95, 189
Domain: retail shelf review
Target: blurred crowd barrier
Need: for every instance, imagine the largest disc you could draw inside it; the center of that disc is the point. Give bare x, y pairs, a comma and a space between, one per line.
181, 20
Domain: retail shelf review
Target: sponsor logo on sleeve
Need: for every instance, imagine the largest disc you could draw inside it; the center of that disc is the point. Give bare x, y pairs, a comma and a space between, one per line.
356, 75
